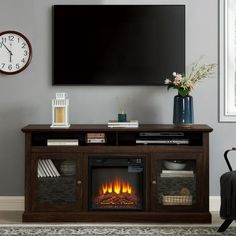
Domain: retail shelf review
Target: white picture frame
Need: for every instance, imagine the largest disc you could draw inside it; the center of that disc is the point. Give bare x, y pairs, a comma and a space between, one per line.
227, 88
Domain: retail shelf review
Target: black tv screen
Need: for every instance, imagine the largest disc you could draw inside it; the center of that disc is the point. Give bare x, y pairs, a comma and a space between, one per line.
117, 44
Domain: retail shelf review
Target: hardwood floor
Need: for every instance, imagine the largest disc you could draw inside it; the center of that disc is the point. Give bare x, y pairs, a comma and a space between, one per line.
10, 217
15, 217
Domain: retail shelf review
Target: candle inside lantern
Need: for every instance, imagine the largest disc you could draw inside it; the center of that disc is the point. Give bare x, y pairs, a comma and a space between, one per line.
59, 115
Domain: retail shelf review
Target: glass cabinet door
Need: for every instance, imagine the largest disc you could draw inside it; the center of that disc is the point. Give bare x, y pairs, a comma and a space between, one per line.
175, 182
57, 182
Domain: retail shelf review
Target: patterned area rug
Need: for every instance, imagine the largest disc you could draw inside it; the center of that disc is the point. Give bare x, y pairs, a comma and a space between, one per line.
104, 229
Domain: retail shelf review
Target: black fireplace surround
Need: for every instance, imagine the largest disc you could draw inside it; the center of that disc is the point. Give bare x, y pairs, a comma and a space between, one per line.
116, 183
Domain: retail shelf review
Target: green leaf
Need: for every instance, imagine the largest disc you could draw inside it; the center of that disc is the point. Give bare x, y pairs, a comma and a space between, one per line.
183, 92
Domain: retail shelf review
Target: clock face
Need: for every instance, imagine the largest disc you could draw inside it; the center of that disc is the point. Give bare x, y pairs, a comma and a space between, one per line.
15, 52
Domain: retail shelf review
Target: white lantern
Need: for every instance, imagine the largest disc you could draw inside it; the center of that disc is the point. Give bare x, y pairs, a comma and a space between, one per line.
60, 111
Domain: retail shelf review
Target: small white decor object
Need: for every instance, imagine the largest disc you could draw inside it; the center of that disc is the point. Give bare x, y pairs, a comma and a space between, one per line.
174, 164
60, 112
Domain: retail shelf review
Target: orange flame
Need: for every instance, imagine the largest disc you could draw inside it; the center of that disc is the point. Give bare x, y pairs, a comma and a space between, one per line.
104, 188
109, 188
116, 186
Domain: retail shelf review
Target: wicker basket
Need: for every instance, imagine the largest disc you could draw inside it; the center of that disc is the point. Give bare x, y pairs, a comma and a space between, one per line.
177, 200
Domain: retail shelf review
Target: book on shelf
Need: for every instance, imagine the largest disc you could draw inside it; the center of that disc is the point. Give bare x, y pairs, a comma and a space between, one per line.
62, 142
40, 172
177, 173
52, 173
42, 169
54, 168
125, 124
46, 168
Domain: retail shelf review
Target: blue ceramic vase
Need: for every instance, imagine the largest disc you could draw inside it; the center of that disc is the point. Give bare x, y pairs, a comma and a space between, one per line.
183, 110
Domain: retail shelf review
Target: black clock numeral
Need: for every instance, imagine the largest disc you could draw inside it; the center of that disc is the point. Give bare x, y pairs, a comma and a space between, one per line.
23, 60
17, 66
3, 65
25, 53
4, 40
18, 40
23, 45
10, 67
11, 38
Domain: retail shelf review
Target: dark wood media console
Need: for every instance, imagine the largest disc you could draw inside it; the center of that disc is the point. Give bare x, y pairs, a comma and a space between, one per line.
92, 173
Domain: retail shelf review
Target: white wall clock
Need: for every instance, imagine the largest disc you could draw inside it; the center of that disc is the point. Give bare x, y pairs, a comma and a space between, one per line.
15, 52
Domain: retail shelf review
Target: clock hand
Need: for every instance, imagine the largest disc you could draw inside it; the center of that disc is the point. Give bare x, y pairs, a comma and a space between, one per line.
7, 48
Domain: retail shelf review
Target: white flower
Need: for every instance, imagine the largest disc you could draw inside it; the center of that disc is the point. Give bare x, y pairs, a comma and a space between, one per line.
167, 81
179, 76
178, 79
185, 84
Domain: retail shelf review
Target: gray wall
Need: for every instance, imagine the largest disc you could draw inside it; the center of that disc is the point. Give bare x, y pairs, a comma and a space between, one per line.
25, 98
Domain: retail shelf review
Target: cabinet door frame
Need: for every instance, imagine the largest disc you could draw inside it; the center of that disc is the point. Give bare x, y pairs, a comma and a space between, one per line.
199, 173
77, 206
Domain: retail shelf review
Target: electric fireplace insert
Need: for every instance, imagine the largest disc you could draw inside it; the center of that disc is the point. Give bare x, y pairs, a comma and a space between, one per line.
116, 183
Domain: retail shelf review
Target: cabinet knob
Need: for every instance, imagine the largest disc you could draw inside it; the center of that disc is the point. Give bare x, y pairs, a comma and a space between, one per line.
79, 182
154, 182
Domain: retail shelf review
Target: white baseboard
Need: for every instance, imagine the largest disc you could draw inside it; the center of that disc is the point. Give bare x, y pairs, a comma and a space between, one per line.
214, 203
16, 203
12, 203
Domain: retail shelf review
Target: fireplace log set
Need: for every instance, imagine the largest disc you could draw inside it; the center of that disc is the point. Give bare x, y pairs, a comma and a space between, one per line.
113, 200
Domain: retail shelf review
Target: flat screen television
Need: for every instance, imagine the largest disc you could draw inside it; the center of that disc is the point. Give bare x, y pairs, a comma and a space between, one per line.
117, 44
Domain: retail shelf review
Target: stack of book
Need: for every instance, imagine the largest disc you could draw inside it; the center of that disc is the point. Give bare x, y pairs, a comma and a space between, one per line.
177, 173
62, 142
126, 124
95, 138
46, 168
